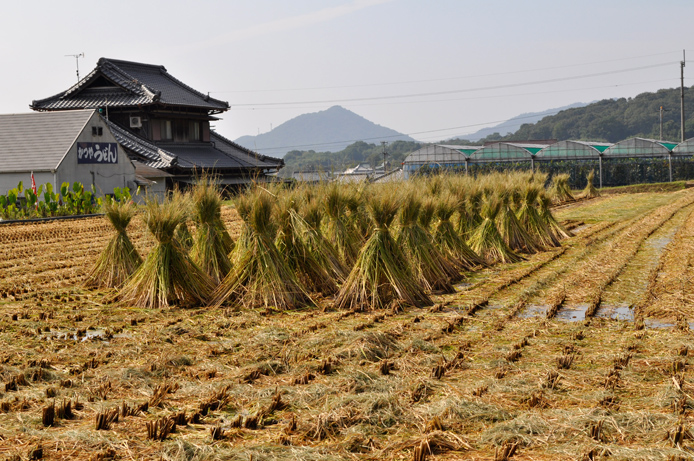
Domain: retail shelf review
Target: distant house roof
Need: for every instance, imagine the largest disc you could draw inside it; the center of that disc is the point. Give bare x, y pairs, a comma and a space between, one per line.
119, 83
38, 141
391, 176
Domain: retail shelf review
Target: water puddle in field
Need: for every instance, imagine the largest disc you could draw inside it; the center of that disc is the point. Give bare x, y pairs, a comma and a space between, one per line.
623, 312
533, 310
653, 323
573, 313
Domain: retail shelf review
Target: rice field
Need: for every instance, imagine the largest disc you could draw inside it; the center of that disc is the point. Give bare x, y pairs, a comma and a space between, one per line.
574, 352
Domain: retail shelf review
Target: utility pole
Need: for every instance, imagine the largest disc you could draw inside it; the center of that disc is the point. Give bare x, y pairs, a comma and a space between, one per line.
682, 63
77, 62
385, 169
662, 110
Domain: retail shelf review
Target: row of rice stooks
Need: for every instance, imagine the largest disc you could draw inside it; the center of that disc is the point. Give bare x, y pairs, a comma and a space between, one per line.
369, 245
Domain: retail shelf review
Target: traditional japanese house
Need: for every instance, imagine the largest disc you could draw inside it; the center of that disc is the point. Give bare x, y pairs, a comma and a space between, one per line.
162, 123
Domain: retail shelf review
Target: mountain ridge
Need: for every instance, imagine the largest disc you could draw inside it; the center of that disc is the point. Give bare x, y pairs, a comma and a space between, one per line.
330, 130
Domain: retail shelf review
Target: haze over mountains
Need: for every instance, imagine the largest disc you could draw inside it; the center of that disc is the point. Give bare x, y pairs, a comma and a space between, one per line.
512, 125
330, 130
337, 138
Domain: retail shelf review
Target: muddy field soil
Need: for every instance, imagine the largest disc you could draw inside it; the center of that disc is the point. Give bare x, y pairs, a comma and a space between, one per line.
577, 353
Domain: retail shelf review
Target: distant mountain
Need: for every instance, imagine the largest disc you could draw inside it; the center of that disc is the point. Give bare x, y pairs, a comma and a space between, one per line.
512, 125
329, 130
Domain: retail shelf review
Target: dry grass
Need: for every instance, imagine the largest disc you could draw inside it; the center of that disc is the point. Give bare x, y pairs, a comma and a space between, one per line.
308, 384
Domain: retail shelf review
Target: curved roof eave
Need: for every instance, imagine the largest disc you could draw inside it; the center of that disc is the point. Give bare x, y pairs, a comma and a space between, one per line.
591, 150
638, 147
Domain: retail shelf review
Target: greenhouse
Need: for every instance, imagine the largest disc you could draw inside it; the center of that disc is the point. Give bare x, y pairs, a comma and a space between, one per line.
632, 161
640, 147
684, 148
437, 156
575, 158
572, 150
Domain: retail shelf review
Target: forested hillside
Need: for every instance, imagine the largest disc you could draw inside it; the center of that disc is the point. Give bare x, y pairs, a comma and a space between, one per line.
614, 120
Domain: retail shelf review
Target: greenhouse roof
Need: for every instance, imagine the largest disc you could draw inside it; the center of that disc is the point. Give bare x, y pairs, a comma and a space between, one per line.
467, 150
507, 151
574, 150
685, 147
640, 147
441, 154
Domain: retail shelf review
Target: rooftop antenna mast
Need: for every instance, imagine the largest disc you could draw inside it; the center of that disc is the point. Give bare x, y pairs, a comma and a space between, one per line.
77, 62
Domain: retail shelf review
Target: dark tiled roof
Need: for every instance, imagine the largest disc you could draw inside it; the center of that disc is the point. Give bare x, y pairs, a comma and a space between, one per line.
135, 84
243, 155
147, 153
38, 141
220, 153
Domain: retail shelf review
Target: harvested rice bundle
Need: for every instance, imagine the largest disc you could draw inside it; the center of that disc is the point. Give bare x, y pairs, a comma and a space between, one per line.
449, 241
120, 258
435, 184
312, 213
561, 192
337, 227
469, 206
555, 228
260, 276
381, 273
291, 243
358, 217
209, 251
486, 240
428, 264
426, 218
167, 276
531, 220
590, 191
183, 236
513, 233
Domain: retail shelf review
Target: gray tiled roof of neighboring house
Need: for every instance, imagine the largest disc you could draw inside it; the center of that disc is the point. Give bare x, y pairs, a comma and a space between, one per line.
38, 141
135, 84
147, 153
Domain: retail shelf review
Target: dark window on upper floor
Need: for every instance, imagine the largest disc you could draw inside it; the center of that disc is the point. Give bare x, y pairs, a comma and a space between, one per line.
181, 130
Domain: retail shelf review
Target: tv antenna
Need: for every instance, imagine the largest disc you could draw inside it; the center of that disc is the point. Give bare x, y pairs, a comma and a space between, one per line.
77, 62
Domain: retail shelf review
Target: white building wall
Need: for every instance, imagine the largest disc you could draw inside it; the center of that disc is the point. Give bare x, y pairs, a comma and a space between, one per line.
104, 176
11, 180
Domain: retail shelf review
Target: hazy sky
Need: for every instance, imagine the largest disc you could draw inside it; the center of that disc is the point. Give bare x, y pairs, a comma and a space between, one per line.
430, 69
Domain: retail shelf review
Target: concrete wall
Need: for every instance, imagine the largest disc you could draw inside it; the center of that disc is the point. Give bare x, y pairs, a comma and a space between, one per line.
105, 177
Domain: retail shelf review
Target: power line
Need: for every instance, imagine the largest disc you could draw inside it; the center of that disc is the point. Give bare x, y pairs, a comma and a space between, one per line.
465, 90
407, 82
287, 148
534, 93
